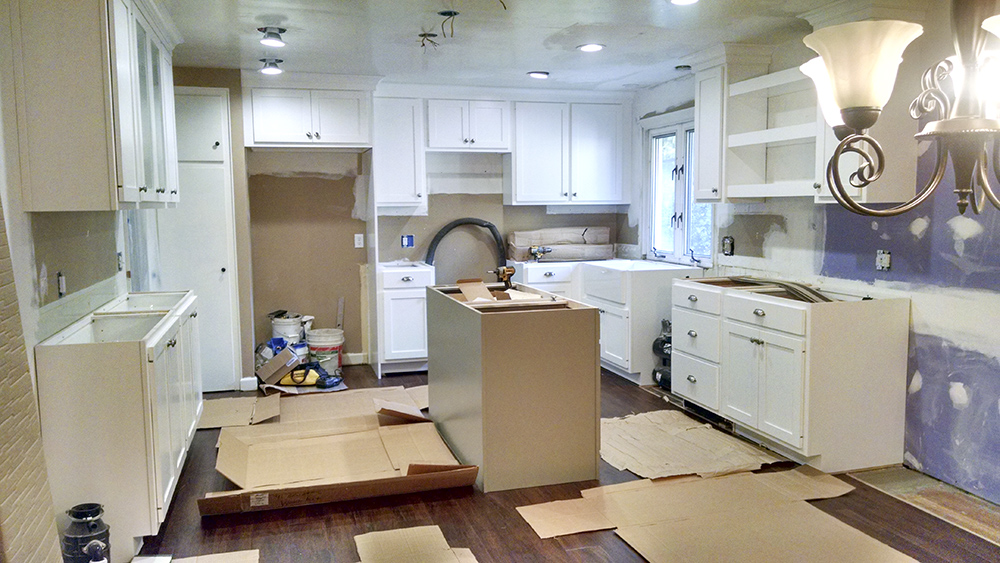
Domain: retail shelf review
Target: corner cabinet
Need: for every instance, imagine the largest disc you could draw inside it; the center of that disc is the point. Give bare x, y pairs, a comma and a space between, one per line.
308, 117
566, 153
98, 134
805, 379
460, 125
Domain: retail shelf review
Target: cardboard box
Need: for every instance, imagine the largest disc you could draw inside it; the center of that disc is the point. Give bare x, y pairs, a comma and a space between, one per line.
276, 368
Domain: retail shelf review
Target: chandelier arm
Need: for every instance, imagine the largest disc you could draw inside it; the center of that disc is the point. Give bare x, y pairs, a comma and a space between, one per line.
844, 199
984, 177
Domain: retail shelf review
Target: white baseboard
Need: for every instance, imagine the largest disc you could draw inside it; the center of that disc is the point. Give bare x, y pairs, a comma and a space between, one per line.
354, 358
248, 383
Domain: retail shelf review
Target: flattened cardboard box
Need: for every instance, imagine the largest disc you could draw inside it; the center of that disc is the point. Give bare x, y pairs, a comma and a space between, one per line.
313, 460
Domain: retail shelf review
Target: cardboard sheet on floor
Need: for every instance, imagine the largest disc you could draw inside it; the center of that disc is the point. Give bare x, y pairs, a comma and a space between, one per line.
419, 396
238, 411
270, 389
408, 413
418, 444
564, 517
337, 405
249, 556
422, 544
792, 531
667, 443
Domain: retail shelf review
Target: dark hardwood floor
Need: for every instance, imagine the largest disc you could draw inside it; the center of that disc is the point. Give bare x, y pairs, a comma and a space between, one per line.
488, 524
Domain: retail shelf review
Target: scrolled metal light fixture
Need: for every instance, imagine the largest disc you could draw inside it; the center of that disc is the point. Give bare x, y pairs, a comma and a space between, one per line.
859, 63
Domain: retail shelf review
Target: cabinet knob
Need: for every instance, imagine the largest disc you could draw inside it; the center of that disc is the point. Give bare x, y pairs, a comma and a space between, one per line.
549, 274
223, 270
143, 189
817, 186
308, 134
472, 140
173, 192
465, 140
565, 194
692, 333
715, 190
317, 134
420, 195
692, 298
216, 145
194, 314
407, 278
759, 312
601, 311
171, 343
574, 194
692, 379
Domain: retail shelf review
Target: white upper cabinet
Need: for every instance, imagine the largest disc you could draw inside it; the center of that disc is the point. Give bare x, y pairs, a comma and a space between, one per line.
94, 135
541, 153
709, 108
398, 170
595, 153
310, 117
468, 125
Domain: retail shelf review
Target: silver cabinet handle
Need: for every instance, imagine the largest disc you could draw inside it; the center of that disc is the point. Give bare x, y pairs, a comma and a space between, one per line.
143, 189
566, 194
161, 190
692, 298
574, 194
692, 379
601, 311
171, 343
692, 333
194, 314
317, 134
757, 341
420, 195
465, 140
407, 278
308, 134
715, 190
549, 274
759, 312
472, 140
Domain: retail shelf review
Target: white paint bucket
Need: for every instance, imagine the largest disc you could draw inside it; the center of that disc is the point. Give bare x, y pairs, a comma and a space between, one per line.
325, 347
290, 327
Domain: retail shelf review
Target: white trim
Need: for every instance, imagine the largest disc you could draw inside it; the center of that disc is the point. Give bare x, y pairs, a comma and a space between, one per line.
308, 80
666, 119
440, 92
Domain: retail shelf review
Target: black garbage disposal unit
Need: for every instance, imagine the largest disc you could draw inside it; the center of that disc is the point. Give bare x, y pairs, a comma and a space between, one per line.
87, 538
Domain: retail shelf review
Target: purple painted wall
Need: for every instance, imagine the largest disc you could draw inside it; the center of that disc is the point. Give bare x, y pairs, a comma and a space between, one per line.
953, 413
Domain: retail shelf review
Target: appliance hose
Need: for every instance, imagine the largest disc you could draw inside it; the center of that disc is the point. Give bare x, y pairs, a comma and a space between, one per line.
501, 260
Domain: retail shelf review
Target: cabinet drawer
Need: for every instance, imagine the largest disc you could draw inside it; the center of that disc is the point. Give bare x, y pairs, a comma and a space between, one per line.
766, 312
695, 379
605, 283
696, 334
558, 288
697, 297
392, 278
535, 274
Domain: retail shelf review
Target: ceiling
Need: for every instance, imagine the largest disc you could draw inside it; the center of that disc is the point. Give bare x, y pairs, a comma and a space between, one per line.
491, 46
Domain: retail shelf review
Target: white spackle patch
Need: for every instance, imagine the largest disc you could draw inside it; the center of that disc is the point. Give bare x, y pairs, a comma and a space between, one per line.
962, 229
885, 236
874, 225
959, 395
912, 461
916, 383
919, 226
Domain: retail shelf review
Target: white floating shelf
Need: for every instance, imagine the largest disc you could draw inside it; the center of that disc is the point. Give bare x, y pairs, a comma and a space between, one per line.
804, 131
792, 188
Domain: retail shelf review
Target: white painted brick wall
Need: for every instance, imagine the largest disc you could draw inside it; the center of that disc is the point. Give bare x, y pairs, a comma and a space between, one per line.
27, 524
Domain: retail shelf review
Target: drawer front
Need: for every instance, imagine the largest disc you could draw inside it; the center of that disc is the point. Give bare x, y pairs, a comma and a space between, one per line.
535, 274
558, 288
605, 283
694, 379
696, 334
393, 278
696, 297
767, 313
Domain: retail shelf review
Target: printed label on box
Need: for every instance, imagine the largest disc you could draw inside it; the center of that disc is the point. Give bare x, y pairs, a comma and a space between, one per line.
258, 499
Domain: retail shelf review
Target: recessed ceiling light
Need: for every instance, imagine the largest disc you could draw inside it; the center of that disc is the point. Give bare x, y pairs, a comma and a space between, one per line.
271, 66
272, 36
591, 47
539, 74
683, 2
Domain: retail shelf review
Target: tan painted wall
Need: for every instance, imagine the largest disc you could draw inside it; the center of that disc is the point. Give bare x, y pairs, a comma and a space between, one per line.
80, 245
468, 251
230, 78
303, 252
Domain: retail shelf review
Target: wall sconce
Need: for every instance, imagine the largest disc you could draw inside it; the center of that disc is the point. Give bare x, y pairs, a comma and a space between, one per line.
271, 66
860, 61
272, 36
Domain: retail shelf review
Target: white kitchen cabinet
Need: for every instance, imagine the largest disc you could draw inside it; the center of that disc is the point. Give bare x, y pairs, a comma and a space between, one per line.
468, 125
565, 153
553, 277
95, 134
402, 320
306, 117
709, 112
398, 163
633, 297
117, 391
806, 379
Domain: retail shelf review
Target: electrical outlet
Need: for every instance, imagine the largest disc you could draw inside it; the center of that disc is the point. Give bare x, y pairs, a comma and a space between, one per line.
406, 241
359, 240
883, 260
121, 262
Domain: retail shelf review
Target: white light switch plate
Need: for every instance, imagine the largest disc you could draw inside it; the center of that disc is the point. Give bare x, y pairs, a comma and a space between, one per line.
359, 240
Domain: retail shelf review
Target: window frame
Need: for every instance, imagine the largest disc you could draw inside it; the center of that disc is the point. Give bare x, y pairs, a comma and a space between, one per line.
679, 122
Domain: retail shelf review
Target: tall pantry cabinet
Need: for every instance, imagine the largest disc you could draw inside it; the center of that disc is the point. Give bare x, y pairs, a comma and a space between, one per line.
94, 94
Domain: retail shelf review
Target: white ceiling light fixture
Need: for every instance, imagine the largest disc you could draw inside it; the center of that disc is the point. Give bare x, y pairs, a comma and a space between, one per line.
860, 60
683, 2
539, 74
272, 36
271, 66
591, 47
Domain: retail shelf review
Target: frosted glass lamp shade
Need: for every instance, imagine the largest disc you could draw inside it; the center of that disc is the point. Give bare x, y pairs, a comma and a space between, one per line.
816, 70
862, 58
992, 25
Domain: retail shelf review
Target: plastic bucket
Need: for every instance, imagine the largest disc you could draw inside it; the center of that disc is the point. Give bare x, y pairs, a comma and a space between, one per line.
325, 346
289, 329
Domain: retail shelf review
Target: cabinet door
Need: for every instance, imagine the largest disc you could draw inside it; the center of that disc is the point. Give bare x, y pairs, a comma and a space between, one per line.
595, 153
165, 471
398, 156
191, 363
541, 153
147, 131
178, 398
281, 116
615, 336
489, 125
741, 357
709, 113
169, 154
447, 124
340, 117
201, 134
125, 102
780, 397
405, 324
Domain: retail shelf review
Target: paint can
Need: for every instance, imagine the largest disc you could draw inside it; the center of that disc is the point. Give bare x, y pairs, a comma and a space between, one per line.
290, 326
325, 347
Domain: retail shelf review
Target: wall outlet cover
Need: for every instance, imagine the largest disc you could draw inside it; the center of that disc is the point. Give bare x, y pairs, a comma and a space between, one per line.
883, 260
359, 240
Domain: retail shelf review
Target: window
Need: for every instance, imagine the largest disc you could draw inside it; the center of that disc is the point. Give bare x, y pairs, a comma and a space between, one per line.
680, 229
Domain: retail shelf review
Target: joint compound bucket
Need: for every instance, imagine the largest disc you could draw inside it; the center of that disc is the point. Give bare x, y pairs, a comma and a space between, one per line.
290, 326
325, 345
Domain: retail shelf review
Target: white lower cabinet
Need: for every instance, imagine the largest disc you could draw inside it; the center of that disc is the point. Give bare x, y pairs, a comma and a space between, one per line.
119, 398
615, 341
553, 277
402, 316
821, 383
